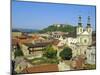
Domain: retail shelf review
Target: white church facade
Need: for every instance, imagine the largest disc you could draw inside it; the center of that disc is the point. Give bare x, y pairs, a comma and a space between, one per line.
83, 39
81, 44
84, 36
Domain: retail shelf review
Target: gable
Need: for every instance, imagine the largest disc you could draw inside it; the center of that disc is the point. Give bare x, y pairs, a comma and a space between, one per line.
85, 33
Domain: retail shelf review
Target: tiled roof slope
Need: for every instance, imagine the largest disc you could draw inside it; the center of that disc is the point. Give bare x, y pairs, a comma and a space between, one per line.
41, 68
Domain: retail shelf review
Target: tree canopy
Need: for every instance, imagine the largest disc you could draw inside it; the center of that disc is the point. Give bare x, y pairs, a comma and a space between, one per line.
66, 54
18, 51
49, 52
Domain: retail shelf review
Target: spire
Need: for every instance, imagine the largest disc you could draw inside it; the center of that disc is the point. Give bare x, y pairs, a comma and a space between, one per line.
79, 21
88, 22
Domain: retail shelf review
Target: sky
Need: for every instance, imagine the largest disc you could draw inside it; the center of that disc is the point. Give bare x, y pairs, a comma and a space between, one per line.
35, 15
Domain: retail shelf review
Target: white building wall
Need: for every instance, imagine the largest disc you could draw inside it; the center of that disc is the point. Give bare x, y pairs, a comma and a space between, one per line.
25, 50
90, 54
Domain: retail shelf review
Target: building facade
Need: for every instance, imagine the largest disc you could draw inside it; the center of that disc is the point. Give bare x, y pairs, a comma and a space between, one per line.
84, 36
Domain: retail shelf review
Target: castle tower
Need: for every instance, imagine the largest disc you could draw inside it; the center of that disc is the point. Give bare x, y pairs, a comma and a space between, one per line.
79, 27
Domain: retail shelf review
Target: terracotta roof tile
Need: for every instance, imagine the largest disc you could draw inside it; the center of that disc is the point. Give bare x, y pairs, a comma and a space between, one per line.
41, 68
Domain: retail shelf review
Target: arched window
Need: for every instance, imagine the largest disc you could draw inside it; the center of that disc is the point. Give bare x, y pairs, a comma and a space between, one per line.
89, 30
85, 41
80, 30
20, 67
84, 52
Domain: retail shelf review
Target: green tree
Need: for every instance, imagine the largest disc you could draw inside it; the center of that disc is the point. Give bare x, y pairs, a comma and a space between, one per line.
66, 54
49, 52
18, 51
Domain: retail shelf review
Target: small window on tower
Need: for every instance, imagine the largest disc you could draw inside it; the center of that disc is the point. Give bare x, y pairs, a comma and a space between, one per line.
85, 41
89, 30
84, 52
80, 30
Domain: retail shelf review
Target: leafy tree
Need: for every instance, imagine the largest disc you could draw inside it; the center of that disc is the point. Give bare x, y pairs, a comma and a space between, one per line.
18, 51
66, 54
49, 52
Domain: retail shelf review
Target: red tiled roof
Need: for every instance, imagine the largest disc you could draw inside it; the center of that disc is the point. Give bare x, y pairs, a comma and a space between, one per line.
35, 37
55, 42
14, 41
41, 68
79, 61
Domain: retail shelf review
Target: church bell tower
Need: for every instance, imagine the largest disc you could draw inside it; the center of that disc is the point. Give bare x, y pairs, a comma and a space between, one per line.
88, 27
79, 27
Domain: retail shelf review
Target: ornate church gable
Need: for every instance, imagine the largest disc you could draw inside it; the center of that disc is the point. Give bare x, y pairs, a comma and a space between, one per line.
85, 33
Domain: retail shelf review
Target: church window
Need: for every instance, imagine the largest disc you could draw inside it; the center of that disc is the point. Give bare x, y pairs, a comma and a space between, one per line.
80, 30
89, 30
20, 67
85, 41
84, 52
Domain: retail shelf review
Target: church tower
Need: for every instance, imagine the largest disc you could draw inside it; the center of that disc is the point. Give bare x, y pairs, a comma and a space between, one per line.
88, 27
89, 30
79, 27
84, 37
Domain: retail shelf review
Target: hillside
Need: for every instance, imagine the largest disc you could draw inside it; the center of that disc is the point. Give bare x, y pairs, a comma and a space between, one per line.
61, 27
